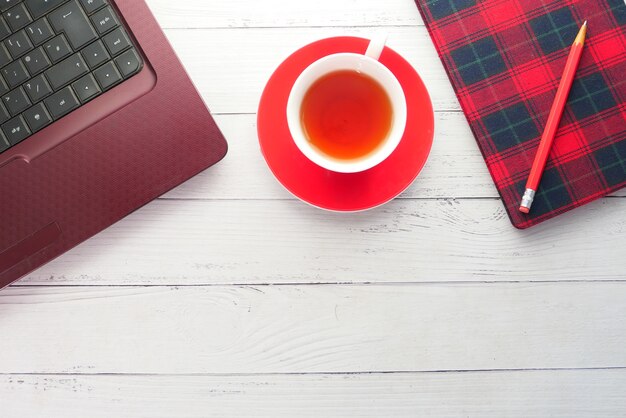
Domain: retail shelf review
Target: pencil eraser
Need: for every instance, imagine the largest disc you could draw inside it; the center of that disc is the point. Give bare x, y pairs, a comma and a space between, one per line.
524, 209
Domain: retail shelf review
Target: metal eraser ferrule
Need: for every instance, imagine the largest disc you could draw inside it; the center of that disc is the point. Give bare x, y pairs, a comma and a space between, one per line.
527, 200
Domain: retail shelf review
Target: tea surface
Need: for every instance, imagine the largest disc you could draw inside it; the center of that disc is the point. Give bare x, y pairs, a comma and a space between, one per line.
347, 115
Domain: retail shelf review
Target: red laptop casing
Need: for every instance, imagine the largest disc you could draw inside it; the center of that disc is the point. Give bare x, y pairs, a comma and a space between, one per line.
106, 159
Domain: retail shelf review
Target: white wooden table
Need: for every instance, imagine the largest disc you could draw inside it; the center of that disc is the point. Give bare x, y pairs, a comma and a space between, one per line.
229, 298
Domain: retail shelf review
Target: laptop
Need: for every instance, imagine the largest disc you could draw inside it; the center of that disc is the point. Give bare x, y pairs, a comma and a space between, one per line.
97, 118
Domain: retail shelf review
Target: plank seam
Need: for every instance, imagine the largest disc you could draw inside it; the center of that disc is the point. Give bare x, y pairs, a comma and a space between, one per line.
327, 373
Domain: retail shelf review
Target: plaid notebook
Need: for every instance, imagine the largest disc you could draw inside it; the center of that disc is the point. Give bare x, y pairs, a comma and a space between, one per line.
505, 59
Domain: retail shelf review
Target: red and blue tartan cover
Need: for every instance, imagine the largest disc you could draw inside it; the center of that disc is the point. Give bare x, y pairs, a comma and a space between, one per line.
505, 59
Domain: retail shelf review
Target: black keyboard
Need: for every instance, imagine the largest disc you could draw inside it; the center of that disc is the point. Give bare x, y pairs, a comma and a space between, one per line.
55, 56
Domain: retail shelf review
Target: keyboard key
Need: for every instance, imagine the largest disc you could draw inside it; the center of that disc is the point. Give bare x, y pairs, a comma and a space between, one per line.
66, 71
4, 143
61, 103
95, 54
7, 4
40, 31
4, 88
15, 74
128, 63
57, 48
17, 17
107, 76
71, 19
16, 130
36, 61
37, 88
4, 114
18, 44
91, 6
5, 57
104, 20
116, 41
37, 117
4, 29
86, 88
16, 101
39, 8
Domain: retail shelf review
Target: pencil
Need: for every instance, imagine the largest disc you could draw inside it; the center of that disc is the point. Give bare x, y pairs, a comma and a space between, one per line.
554, 119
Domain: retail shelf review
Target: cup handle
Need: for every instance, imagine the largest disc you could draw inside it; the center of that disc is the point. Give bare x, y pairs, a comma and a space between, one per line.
376, 46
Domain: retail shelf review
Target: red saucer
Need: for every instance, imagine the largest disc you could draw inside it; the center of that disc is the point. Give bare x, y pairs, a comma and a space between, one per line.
335, 191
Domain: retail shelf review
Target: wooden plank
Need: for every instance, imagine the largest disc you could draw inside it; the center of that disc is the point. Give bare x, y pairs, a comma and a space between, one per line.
207, 242
225, 62
231, 66
455, 167
564, 393
298, 329
278, 13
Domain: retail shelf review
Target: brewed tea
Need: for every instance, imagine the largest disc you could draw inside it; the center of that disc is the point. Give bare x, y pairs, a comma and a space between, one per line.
347, 115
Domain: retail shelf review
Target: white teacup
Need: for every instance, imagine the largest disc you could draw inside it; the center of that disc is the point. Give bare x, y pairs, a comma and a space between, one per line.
369, 65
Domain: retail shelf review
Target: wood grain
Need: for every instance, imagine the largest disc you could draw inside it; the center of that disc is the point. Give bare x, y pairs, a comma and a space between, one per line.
227, 54
298, 329
273, 13
230, 67
455, 168
208, 242
563, 393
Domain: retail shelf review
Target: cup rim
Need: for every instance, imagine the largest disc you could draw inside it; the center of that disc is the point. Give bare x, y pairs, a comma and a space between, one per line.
349, 61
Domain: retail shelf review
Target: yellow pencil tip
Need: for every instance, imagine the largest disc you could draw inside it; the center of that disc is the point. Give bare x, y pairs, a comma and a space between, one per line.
580, 39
